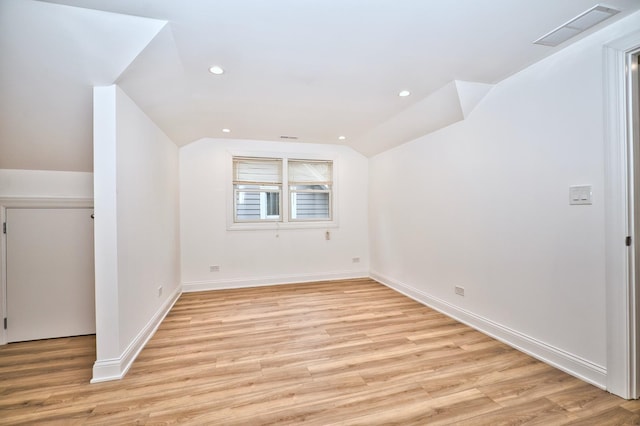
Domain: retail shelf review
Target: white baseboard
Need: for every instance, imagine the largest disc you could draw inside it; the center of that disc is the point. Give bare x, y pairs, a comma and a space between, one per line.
223, 284
116, 368
565, 361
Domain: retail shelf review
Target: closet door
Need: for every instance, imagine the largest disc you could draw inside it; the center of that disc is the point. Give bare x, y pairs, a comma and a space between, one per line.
50, 273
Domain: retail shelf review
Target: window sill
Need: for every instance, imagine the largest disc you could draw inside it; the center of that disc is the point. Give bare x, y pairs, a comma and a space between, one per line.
252, 226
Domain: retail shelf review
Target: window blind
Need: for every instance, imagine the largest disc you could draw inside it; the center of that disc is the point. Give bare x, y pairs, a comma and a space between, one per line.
257, 170
306, 171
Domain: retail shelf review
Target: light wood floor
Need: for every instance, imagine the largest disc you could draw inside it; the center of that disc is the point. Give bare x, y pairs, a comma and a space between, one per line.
347, 352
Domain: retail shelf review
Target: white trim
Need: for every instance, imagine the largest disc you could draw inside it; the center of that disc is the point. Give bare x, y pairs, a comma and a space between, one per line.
191, 286
279, 226
116, 368
46, 202
618, 217
558, 358
34, 203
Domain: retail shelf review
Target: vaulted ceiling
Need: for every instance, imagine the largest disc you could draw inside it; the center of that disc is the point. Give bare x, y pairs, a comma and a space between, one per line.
310, 70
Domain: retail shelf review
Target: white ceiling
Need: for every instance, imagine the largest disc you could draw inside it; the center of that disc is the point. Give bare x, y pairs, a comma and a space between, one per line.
312, 69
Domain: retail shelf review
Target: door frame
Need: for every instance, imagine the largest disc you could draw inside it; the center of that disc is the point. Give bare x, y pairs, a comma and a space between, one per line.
623, 336
33, 203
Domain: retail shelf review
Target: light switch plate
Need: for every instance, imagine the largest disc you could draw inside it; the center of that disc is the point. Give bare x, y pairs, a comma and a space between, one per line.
580, 194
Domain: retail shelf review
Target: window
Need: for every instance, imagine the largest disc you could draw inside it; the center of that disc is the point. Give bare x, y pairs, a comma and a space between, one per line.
257, 188
310, 189
260, 185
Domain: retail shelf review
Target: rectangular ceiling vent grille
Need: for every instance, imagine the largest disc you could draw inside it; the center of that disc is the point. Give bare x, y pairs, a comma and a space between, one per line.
580, 23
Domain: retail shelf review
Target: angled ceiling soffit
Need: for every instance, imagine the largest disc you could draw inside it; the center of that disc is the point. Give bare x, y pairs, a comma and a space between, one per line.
450, 104
100, 44
52, 56
159, 65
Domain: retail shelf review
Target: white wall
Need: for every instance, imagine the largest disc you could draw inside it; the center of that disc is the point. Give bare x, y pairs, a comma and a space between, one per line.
258, 257
148, 223
137, 228
483, 204
45, 184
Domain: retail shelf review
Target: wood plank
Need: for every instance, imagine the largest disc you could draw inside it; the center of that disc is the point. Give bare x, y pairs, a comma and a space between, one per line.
340, 352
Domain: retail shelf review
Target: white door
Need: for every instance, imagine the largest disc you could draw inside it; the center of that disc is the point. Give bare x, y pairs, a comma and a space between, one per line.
50, 273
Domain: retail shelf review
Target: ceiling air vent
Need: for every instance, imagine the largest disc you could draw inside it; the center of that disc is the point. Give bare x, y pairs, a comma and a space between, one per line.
580, 23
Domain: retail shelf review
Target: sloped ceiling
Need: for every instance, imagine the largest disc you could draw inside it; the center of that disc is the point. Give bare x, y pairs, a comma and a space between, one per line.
52, 56
313, 69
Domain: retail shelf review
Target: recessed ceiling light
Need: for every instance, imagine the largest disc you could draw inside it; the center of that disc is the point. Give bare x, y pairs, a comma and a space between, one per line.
404, 93
342, 137
226, 130
216, 70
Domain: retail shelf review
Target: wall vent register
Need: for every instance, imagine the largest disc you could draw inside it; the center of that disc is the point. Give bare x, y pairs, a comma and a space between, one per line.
577, 25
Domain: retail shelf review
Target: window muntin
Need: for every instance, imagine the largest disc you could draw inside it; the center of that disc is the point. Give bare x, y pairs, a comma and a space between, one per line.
257, 188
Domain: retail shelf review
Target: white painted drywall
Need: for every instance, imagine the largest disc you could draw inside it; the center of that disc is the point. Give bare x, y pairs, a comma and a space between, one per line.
105, 231
260, 257
136, 233
148, 226
484, 204
45, 184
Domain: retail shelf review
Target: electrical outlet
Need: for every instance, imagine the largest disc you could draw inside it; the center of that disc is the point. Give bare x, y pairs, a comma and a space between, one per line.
159, 291
580, 194
459, 290
355, 260
327, 235
214, 268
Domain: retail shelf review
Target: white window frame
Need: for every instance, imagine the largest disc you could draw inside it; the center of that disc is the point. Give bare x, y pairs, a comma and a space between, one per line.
286, 223
291, 195
264, 216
